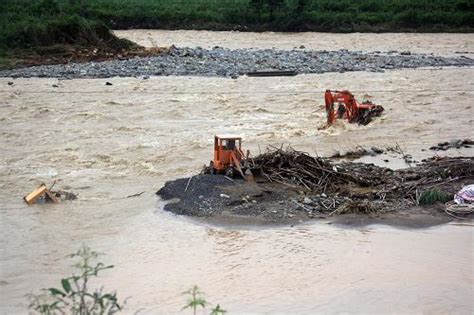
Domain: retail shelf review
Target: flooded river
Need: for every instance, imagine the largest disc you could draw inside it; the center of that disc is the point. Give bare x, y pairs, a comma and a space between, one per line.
108, 142
445, 44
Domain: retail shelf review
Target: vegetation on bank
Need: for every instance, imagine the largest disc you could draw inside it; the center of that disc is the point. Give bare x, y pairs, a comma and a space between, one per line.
28, 24
25, 24
287, 15
40, 29
434, 195
34, 22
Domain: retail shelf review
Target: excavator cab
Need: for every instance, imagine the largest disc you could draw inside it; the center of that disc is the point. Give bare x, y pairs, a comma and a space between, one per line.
228, 156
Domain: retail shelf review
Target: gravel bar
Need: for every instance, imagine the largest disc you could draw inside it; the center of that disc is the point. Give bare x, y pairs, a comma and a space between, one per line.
223, 62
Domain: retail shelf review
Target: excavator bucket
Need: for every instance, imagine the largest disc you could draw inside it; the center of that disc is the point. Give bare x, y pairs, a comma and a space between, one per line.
256, 171
257, 174
237, 164
249, 178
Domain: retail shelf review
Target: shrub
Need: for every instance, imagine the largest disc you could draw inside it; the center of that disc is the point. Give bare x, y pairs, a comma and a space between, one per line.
433, 196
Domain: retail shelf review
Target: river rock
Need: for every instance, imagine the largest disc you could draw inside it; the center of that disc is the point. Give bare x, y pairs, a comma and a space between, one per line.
225, 62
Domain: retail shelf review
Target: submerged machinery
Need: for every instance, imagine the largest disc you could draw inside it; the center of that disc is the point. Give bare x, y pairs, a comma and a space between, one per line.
343, 105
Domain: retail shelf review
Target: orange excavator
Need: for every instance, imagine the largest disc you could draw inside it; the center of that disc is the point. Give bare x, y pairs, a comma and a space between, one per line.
229, 159
343, 105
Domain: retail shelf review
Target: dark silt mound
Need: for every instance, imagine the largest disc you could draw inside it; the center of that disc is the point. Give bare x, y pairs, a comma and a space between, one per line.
194, 198
217, 195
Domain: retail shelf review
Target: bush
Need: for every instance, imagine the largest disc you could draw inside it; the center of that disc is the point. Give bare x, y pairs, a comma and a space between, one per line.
44, 23
433, 196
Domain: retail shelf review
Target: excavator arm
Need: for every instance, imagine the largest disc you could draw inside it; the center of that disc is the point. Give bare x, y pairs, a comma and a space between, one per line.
347, 107
342, 104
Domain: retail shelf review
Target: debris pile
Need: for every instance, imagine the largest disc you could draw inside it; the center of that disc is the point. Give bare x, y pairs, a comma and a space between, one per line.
293, 168
364, 188
298, 169
458, 143
365, 116
292, 185
357, 153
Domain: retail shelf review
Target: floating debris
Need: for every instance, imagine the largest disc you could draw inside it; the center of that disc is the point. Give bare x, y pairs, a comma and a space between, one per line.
357, 153
40, 193
43, 194
457, 144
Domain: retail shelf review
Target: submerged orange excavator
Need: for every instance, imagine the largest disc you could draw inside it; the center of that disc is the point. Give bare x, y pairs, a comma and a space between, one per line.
343, 105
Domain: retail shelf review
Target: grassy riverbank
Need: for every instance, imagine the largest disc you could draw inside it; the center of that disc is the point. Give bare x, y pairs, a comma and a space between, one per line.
29, 24
32, 32
288, 15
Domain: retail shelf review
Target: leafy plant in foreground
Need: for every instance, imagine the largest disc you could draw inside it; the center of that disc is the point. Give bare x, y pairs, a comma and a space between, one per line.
218, 310
196, 300
75, 297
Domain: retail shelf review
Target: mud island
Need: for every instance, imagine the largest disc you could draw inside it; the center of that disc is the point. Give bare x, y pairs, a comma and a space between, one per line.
292, 186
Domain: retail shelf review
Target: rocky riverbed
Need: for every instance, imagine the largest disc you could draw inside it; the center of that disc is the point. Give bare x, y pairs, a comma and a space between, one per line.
225, 62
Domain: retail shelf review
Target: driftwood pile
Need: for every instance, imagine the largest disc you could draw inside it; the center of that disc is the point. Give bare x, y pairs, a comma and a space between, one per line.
434, 172
447, 167
364, 187
298, 169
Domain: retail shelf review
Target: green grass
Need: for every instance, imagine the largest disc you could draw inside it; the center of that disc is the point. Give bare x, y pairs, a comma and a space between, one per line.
6, 62
45, 23
318, 15
433, 196
29, 23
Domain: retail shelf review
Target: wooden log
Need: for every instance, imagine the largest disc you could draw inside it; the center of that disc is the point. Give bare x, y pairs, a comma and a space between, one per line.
274, 73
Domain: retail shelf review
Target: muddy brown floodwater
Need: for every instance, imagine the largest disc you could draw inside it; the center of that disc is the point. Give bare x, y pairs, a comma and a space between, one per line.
446, 44
108, 142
